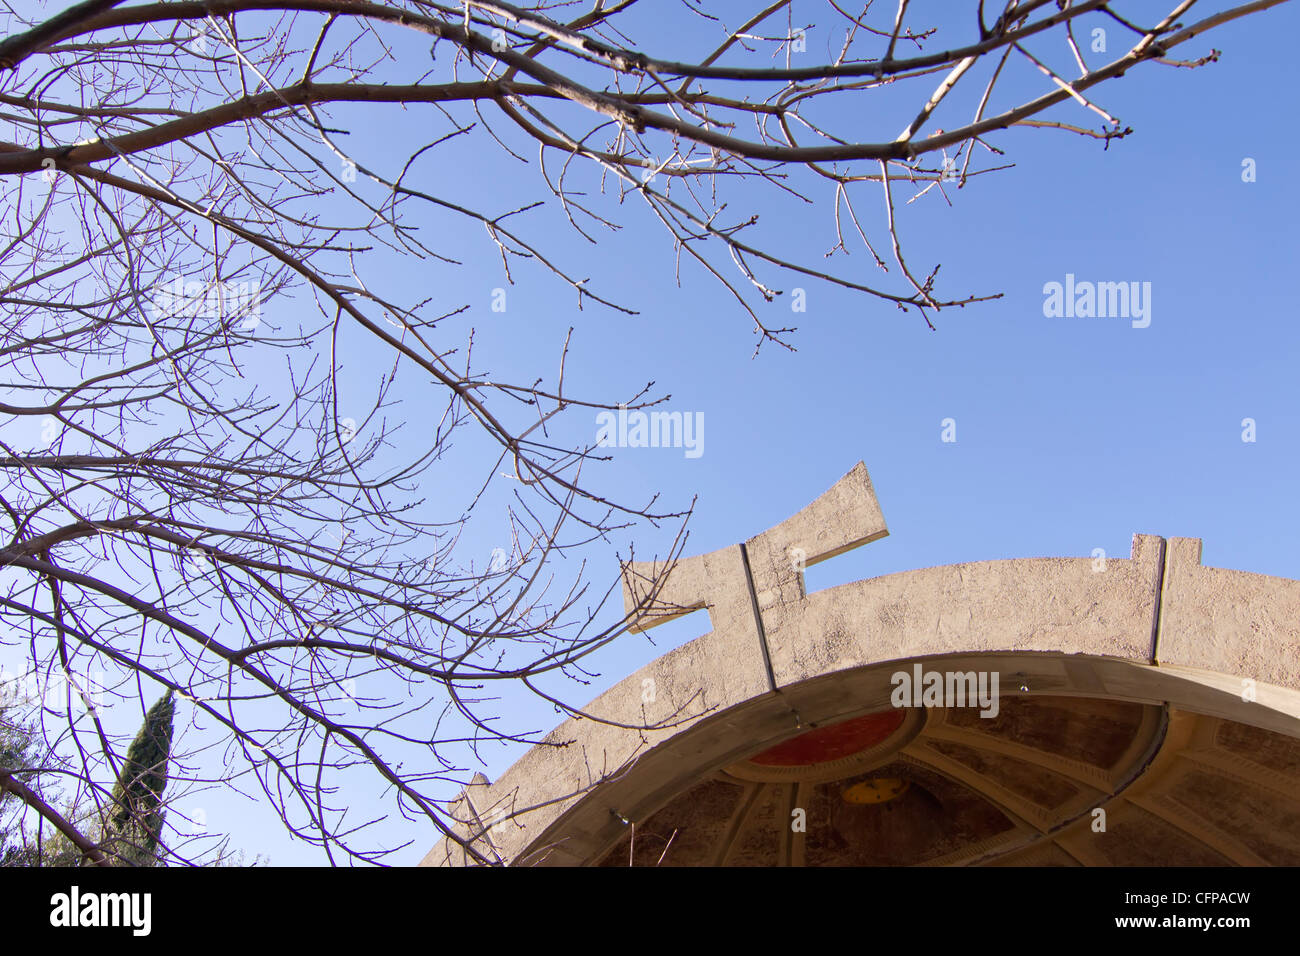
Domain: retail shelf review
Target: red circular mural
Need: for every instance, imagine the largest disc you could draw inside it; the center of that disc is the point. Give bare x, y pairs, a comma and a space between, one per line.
832, 743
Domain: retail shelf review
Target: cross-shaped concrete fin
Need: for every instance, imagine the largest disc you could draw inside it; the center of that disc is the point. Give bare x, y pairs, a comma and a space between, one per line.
741, 583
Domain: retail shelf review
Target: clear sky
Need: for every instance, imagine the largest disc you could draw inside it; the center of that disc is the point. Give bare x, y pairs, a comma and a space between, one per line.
1071, 433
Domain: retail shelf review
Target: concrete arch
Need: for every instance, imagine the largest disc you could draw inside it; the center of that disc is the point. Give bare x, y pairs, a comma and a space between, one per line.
1197, 652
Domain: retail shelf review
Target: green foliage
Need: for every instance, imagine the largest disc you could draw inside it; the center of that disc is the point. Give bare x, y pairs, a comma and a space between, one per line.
132, 831
130, 836
240, 859
21, 748
18, 750
53, 849
135, 826
18, 747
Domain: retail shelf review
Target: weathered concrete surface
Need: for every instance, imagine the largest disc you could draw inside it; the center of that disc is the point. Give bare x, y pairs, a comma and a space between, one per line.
587, 752
1152, 628
469, 825
1228, 622
1067, 605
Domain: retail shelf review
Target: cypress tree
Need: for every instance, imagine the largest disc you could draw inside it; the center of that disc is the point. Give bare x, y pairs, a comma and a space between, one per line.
137, 798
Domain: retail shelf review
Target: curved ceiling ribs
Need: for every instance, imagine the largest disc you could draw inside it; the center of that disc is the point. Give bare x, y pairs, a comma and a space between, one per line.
1041, 808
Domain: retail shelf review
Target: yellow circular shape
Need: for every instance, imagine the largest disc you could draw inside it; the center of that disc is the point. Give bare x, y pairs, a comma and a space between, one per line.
879, 790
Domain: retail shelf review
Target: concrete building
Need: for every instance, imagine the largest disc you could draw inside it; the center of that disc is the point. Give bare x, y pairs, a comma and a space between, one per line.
1058, 711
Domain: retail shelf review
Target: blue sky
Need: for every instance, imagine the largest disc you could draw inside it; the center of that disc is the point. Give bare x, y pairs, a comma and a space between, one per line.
1072, 433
